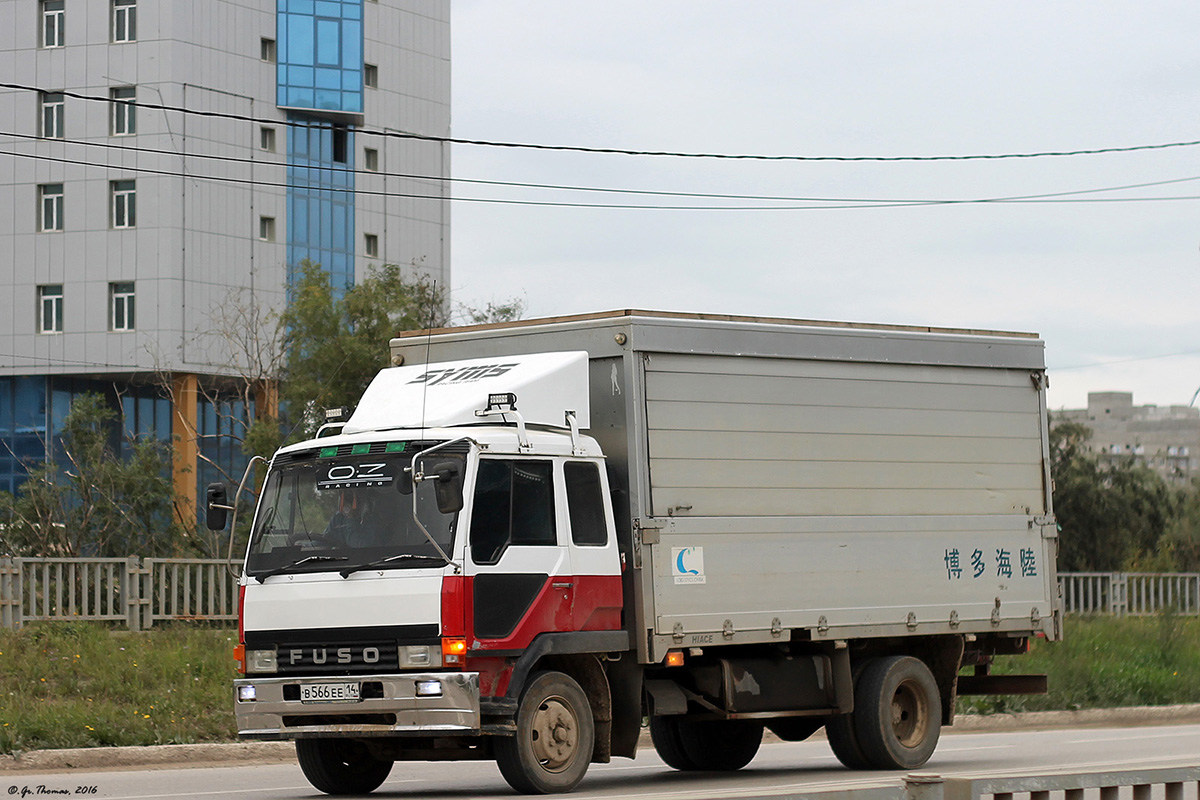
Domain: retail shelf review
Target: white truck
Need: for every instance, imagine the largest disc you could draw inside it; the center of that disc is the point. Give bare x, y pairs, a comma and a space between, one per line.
531, 537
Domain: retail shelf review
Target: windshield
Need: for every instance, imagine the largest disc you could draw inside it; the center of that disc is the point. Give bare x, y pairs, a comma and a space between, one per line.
347, 509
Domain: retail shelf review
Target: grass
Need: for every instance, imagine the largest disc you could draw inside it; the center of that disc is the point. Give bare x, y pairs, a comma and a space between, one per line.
82, 685
1107, 662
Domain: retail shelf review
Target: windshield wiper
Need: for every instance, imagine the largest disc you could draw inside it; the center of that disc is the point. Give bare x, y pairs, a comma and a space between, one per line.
306, 560
348, 571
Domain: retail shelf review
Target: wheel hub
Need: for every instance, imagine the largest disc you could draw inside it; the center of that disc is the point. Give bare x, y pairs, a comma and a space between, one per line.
910, 714
555, 734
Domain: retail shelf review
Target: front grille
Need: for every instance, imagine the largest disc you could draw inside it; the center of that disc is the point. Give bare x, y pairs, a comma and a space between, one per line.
342, 651
322, 658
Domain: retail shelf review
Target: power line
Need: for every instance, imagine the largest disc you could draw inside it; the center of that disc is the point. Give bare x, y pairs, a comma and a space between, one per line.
620, 151
595, 189
1125, 361
822, 205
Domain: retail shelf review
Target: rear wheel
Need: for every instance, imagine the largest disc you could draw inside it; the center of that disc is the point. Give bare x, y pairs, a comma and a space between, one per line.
552, 747
341, 766
898, 713
843, 740
664, 734
715, 745
795, 729
721, 745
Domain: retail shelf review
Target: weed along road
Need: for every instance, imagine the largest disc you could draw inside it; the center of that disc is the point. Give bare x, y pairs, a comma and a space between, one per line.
778, 770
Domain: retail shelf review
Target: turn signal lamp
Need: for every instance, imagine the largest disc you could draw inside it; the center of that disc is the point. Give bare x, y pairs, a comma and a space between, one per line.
239, 655
454, 652
675, 658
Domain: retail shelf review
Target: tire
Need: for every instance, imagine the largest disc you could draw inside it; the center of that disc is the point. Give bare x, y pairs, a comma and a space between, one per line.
552, 747
795, 729
341, 766
843, 740
898, 713
664, 733
721, 745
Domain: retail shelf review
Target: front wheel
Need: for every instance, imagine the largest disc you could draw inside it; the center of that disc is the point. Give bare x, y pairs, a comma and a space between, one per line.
552, 747
341, 766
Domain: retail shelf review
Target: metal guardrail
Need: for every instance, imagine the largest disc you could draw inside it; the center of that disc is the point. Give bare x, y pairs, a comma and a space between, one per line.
1148, 783
1130, 593
138, 592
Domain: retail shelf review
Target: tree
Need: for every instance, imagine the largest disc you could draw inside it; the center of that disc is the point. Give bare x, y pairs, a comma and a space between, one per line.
492, 312
1110, 515
334, 345
91, 501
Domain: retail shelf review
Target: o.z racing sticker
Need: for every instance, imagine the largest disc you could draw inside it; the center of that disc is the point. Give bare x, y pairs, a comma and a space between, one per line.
353, 476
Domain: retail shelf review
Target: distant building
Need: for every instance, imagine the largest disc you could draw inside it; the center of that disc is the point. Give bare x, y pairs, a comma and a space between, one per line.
1164, 438
166, 158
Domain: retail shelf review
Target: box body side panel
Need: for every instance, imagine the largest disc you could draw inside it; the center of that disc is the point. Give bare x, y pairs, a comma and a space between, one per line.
841, 482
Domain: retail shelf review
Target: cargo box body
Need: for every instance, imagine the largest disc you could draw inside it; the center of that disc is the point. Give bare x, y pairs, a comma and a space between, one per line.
777, 479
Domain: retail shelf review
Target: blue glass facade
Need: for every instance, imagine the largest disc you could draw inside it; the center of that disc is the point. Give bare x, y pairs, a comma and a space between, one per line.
32, 411
23, 427
222, 425
320, 55
320, 200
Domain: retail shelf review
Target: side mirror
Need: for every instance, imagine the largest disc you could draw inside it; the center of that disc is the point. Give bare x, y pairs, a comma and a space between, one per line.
448, 490
217, 507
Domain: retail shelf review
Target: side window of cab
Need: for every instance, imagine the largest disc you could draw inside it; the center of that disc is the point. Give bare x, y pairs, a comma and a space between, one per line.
585, 503
513, 506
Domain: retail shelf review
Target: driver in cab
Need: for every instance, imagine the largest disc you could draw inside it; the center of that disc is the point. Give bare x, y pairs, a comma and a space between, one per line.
354, 523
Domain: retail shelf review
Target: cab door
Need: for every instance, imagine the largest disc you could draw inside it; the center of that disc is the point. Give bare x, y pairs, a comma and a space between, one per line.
596, 594
518, 572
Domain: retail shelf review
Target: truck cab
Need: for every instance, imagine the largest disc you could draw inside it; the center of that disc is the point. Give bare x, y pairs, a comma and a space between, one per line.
396, 570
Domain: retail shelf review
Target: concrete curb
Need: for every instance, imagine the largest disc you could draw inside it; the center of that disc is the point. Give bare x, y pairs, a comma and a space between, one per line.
177, 756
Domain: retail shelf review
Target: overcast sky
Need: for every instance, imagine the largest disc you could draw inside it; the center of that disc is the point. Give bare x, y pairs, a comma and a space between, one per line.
1112, 287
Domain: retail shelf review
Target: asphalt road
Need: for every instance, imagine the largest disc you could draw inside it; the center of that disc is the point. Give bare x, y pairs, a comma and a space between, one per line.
779, 769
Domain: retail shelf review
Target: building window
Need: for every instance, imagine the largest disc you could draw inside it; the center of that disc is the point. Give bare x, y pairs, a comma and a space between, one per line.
124, 20
123, 120
51, 206
267, 50
120, 306
52, 115
53, 17
124, 204
266, 139
50, 308
340, 139
371, 76
266, 229
371, 159
371, 245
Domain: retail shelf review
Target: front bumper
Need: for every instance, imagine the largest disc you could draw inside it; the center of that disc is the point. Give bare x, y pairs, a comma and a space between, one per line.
390, 706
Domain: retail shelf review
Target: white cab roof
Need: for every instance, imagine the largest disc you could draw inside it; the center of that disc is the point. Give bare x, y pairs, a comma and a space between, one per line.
447, 394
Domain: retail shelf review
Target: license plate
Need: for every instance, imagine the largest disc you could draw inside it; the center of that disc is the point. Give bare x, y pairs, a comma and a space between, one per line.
329, 693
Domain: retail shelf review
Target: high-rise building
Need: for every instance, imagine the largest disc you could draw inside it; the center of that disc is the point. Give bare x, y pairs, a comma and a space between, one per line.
168, 163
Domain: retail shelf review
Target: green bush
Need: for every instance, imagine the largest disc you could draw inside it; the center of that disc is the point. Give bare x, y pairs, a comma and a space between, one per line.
1106, 662
83, 685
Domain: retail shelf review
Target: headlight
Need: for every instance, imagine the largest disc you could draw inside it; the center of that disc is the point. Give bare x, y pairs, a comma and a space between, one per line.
261, 662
